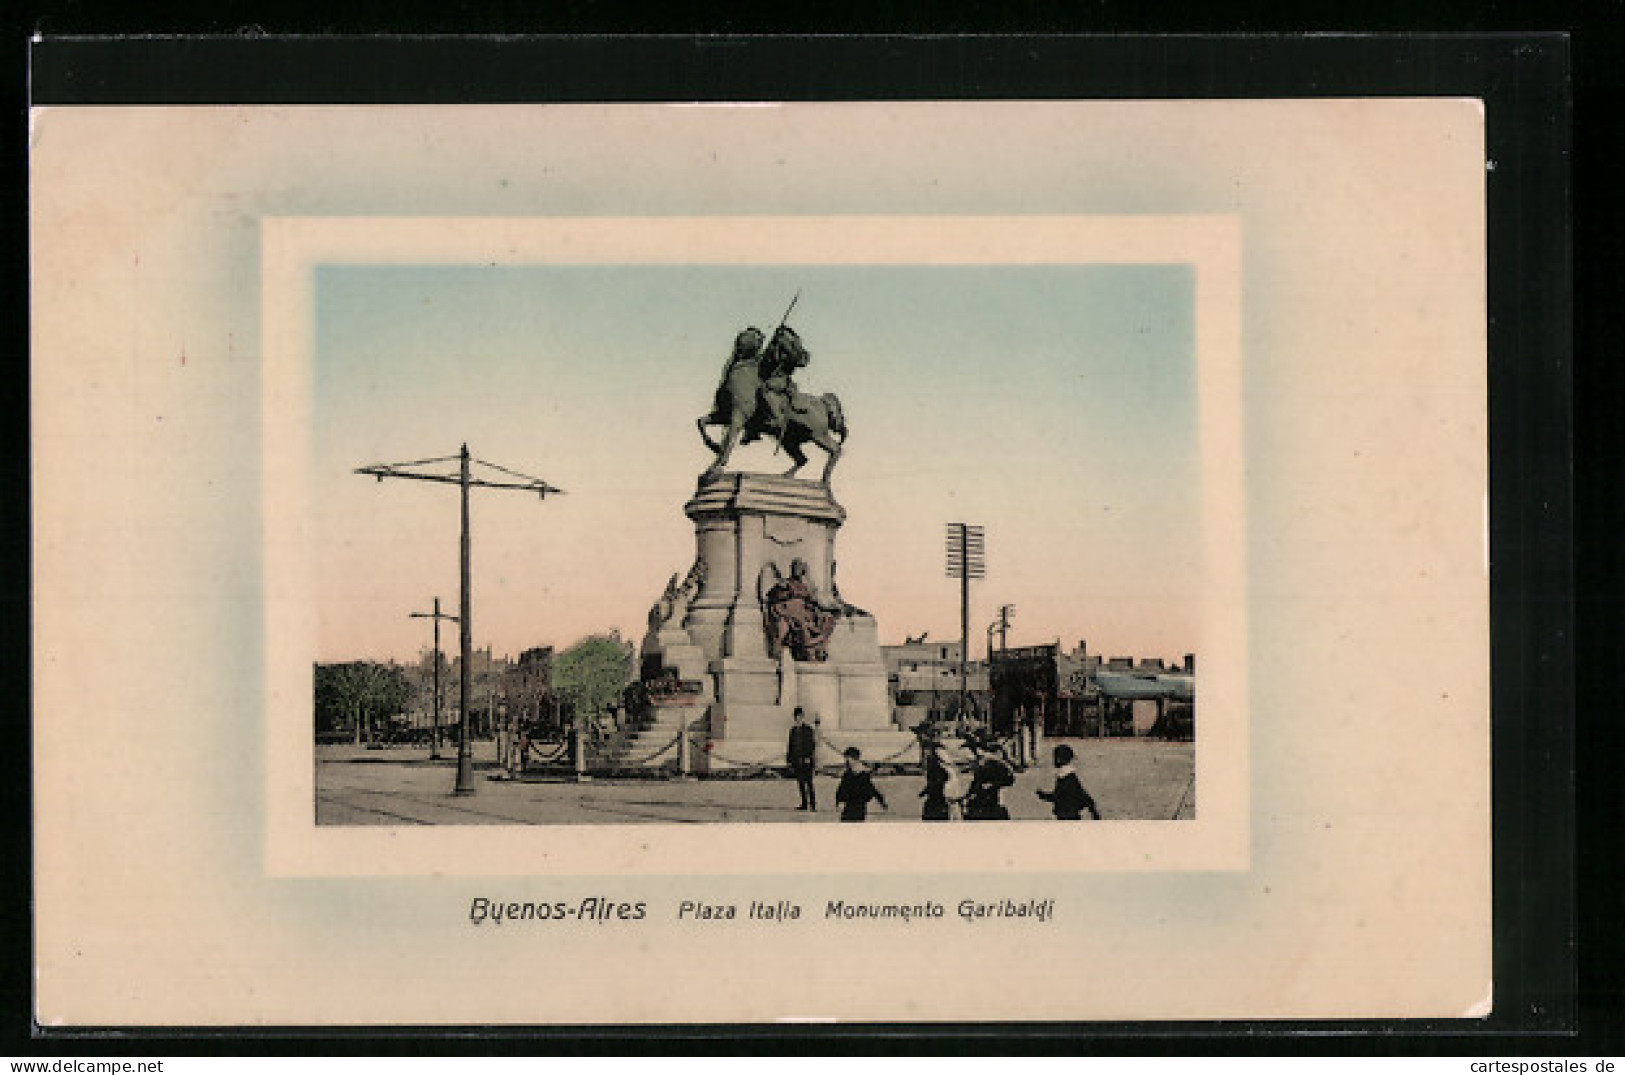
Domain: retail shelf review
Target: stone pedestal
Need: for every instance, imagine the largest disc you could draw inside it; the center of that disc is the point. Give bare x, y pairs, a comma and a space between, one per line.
742, 524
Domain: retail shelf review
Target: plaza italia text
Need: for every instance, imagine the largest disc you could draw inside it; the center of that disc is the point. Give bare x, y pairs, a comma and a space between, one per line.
605, 911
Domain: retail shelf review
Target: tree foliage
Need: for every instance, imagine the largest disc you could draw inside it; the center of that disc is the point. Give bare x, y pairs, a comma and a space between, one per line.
590, 675
355, 694
527, 685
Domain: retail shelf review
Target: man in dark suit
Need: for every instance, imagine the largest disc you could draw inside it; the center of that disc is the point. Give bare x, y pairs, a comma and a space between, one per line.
800, 754
1069, 800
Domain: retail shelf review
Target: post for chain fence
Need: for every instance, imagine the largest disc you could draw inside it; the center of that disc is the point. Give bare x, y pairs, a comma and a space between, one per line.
581, 749
684, 762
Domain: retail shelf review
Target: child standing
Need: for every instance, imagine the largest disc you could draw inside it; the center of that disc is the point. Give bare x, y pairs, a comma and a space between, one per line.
1068, 799
857, 787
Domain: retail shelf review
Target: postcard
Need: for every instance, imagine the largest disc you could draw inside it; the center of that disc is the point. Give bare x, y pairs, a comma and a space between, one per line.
662, 563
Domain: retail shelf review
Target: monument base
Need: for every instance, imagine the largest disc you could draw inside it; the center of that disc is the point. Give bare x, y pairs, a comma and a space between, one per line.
753, 531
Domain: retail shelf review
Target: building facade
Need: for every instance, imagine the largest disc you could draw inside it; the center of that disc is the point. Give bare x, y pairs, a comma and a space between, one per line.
924, 681
1073, 694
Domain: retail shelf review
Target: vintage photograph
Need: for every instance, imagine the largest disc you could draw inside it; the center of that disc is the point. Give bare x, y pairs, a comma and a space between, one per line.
1014, 630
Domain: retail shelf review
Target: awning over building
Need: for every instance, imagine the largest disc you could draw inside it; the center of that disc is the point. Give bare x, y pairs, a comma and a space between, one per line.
1180, 687
1167, 685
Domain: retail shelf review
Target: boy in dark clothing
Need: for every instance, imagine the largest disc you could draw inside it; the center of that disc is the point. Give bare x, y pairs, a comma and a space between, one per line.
857, 788
1069, 800
990, 777
799, 754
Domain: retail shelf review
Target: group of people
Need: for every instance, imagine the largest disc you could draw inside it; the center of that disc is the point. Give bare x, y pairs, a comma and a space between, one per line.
979, 799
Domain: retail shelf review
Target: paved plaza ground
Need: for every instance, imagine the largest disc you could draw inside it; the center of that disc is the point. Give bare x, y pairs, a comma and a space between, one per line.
1140, 779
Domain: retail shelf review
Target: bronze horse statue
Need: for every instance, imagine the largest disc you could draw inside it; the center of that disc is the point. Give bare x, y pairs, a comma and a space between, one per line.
757, 398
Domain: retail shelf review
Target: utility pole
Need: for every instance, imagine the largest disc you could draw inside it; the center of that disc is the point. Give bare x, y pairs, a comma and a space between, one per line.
996, 683
437, 616
490, 693
966, 561
464, 480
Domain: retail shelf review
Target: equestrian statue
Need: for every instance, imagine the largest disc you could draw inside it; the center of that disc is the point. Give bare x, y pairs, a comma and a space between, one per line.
758, 398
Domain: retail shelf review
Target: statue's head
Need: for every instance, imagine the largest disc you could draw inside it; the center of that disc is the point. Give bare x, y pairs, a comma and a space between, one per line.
788, 346
748, 342
798, 568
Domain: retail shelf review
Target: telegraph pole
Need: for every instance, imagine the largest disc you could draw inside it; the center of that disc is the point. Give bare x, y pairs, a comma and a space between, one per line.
437, 616
464, 480
996, 682
465, 638
965, 562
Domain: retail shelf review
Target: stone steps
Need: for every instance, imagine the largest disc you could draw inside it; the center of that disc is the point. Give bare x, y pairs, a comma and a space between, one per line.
653, 742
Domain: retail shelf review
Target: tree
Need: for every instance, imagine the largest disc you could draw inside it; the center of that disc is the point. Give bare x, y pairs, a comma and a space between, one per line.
335, 698
388, 691
527, 686
353, 694
590, 675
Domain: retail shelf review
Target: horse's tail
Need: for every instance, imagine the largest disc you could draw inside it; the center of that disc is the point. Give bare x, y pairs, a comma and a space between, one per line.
837, 417
701, 423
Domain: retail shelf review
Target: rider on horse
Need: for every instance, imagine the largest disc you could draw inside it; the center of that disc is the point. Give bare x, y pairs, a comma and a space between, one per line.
778, 393
758, 397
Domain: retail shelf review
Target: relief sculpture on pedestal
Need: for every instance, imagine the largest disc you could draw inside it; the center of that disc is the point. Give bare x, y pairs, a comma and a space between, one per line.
793, 618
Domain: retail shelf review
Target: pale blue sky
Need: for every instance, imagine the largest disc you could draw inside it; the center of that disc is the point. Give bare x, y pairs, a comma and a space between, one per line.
1055, 405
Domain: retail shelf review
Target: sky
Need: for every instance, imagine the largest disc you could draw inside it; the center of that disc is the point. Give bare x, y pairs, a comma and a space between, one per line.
1054, 405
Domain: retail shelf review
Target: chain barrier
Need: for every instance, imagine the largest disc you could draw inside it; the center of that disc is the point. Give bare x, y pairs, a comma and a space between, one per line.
748, 766
532, 754
740, 766
911, 748
828, 770
628, 763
